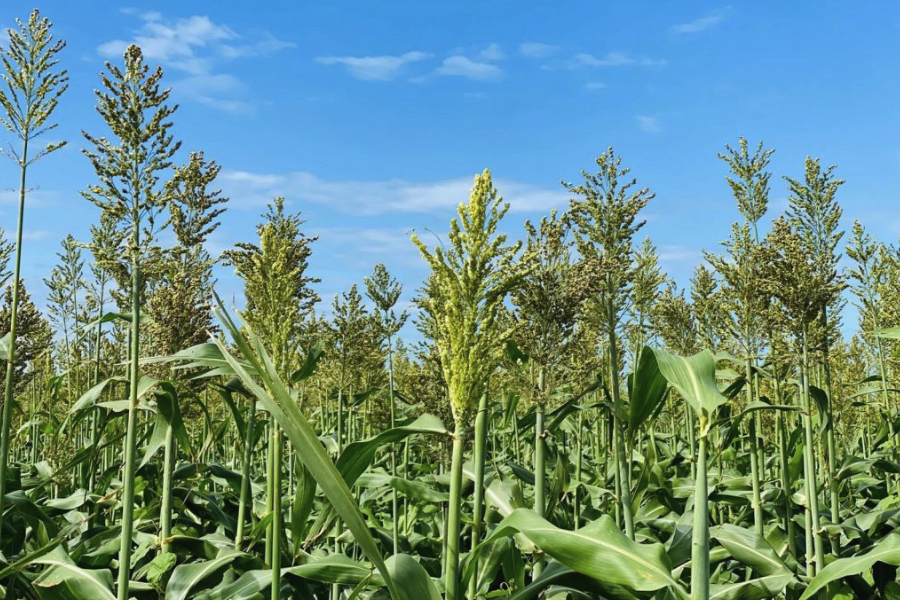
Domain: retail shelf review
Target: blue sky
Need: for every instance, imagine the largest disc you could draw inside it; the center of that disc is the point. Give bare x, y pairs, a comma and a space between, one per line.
372, 118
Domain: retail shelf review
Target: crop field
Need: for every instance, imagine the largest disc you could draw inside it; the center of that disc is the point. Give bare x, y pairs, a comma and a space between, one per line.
552, 417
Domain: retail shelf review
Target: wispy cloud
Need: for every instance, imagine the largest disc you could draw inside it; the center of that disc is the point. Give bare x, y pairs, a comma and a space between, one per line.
492, 51
463, 66
614, 59
198, 47
703, 23
595, 85
537, 49
678, 253
251, 190
375, 68
31, 235
648, 124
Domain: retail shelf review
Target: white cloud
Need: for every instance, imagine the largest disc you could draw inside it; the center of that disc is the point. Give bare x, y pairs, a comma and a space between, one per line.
537, 49
253, 190
492, 52
614, 59
375, 68
679, 253
462, 66
33, 235
197, 46
703, 23
648, 124
595, 85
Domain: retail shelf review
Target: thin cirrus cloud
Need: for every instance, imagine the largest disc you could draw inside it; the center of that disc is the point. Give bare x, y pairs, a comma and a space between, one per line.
252, 190
472, 64
648, 124
198, 47
614, 59
375, 68
463, 66
703, 23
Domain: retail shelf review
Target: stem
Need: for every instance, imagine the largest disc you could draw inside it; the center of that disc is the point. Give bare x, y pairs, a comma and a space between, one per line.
168, 470
540, 481
812, 496
277, 517
754, 458
479, 459
700, 536
6, 419
394, 498
245, 476
131, 427
451, 582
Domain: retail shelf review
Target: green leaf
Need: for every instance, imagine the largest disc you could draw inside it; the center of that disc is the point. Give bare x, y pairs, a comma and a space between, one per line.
168, 414
287, 413
306, 370
64, 579
886, 551
90, 397
891, 333
599, 550
761, 588
357, 456
648, 388
695, 379
822, 402
749, 549
185, 578
411, 579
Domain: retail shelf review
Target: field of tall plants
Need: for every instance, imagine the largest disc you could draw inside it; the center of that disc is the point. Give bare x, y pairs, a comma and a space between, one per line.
563, 420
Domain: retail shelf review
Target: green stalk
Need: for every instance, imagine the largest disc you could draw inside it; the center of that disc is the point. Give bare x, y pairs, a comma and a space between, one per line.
700, 535
579, 452
540, 480
394, 498
829, 432
246, 499
131, 427
277, 524
6, 419
479, 459
452, 579
623, 461
812, 496
785, 472
692, 440
168, 472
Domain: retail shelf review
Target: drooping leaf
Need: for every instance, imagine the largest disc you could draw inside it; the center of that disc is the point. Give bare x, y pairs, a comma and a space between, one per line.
648, 387
599, 550
886, 551
695, 379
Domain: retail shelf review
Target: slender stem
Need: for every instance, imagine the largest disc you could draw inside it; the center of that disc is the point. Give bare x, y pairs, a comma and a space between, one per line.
700, 536
6, 419
246, 499
394, 497
452, 579
479, 459
277, 517
540, 479
754, 457
131, 427
812, 496
168, 472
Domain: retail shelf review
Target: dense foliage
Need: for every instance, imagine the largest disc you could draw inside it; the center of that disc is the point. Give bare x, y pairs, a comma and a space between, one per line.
570, 423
